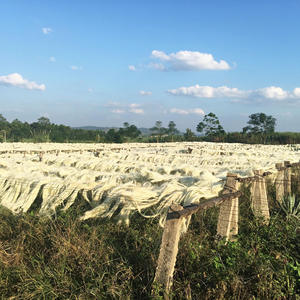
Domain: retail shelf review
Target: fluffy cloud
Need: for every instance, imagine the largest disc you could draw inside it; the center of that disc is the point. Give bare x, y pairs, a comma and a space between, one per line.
131, 68
119, 108
138, 111
76, 68
196, 111
118, 111
17, 80
46, 30
145, 93
296, 92
187, 61
274, 92
208, 92
270, 93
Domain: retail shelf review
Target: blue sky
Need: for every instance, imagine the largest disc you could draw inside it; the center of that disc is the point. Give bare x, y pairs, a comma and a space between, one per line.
103, 63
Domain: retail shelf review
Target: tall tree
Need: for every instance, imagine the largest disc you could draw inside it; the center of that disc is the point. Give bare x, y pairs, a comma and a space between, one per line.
158, 130
2, 119
189, 135
210, 126
260, 123
172, 130
4, 128
41, 129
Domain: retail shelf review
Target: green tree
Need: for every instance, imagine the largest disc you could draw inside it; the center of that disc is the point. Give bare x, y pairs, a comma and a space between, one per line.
41, 129
210, 126
189, 135
18, 130
172, 130
129, 131
113, 136
2, 119
158, 130
4, 128
260, 123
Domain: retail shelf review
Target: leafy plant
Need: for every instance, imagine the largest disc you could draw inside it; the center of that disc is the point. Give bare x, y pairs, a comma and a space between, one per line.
290, 206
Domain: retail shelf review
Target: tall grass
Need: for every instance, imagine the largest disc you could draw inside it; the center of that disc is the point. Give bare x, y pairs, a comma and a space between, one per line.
62, 258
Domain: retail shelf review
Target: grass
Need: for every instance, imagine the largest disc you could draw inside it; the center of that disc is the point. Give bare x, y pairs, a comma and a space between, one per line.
62, 258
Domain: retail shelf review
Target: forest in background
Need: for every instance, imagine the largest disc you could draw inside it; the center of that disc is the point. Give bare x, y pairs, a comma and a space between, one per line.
260, 129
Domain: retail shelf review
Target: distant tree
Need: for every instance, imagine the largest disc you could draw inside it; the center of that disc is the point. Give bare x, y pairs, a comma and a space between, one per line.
133, 132
4, 128
41, 129
210, 126
44, 121
260, 123
129, 131
113, 136
172, 130
158, 130
189, 135
2, 119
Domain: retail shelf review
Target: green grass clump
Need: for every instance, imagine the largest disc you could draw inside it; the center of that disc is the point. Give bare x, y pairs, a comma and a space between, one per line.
63, 258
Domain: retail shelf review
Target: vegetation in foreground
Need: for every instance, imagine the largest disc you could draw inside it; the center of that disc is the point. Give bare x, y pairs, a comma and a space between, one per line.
62, 258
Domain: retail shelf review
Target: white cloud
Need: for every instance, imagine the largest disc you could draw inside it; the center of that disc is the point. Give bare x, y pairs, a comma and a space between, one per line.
134, 105
131, 68
196, 111
16, 79
76, 68
46, 30
138, 111
157, 66
145, 93
119, 108
209, 92
179, 111
296, 92
52, 59
273, 92
118, 111
187, 61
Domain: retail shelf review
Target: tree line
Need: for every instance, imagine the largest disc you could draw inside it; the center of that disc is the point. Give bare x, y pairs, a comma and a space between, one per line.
260, 129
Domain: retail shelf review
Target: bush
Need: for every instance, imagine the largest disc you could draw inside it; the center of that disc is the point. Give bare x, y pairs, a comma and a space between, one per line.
63, 258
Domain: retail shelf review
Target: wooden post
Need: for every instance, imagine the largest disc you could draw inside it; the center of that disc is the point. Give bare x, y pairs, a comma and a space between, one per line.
298, 178
259, 196
287, 179
229, 210
279, 182
168, 250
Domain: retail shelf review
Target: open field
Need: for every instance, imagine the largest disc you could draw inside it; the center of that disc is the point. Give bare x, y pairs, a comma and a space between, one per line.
65, 257
115, 180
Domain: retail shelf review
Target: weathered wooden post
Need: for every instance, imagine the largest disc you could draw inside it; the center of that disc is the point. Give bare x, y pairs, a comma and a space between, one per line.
168, 249
279, 182
229, 210
287, 179
298, 177
41, 156
259, 196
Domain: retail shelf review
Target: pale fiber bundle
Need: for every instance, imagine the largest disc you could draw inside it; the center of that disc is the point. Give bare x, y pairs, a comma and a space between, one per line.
118, 180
